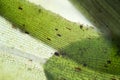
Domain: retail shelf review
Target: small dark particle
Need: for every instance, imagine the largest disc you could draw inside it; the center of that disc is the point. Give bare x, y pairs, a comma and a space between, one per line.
13, 26
107, 26
24, 25
68, 28
30, 60
39, 10
77, 69
59, 35
49, 39
26, 32
20, 8
57, 54
112, 78
56, 29
81, 26
89, 38
108, 62
84, 64
62, 79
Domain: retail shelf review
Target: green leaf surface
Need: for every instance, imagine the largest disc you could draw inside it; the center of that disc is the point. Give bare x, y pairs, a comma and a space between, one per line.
83, 54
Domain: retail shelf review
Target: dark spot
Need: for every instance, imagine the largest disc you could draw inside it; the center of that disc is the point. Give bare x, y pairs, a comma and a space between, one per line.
107, 26
59, 35
39, 10
26, 32
89, 38
30, 60
68, 63
81, 26
68, 28
84, 64
57, 54
62, 79
13, 26
56, 29
29, 69
24, 25
77, 69
112, 78
49, 39
20, 8
108, 62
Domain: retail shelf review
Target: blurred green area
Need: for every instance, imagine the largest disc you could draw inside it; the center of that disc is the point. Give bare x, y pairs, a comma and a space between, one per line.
104, 14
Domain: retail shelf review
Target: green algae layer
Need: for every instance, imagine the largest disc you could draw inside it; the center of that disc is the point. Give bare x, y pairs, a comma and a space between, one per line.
104, 14
83, 54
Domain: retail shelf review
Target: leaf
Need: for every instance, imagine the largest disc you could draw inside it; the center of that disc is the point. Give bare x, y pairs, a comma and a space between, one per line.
82, 52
